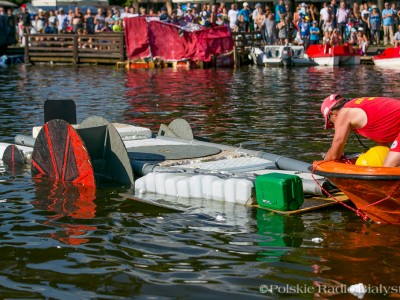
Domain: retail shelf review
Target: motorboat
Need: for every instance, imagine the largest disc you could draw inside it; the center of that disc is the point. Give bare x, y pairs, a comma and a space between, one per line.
374, 190
327, 55
288, 55
390, 57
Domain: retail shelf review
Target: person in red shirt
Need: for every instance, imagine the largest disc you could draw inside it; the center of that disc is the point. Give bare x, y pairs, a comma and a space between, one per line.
376, 118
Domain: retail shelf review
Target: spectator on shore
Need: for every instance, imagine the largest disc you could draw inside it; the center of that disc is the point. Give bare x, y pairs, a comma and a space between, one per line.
232, 16
396, 38
100, 26
117, 27
77, 20
117, 16
70, 16
220, 8
179, 11
342, 16
125, 13
304, 28
224, 16
395, 16
242, 25
245, 12
327, 38
41, 21
259, 19
334, 9
365, 13
52, 23
26, 20
328, 25
258, 11
375, 25
189, 18
280, 11
151, 13
269, 26
213, 15
132, 12
62, 21
109, 19
314, 33
99, 17
89, 21
314, 13
164, 15
205, 13
336, 38
174, 19
298, 40
324, 14
388, 22
363, 41
283, 37
353, 40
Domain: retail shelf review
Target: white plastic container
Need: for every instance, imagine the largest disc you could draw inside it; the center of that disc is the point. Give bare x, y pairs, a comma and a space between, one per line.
183, 187
196, 186
151, 182
171, 184
140, 184
218, 189
243, 191
160, 182
230, 189
238, 190
207, 183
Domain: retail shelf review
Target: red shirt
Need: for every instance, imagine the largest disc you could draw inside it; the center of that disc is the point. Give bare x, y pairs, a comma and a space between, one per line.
383, 118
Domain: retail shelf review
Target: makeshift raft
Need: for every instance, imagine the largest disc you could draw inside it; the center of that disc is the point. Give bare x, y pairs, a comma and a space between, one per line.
173, 164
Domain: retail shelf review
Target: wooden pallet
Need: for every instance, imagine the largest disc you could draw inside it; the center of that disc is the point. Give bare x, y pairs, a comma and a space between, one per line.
310, 204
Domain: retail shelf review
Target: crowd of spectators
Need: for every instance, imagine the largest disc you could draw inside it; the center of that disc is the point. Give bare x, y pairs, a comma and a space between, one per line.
333, 23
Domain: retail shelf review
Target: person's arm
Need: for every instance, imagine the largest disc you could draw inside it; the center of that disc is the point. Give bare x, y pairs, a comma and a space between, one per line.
342, 130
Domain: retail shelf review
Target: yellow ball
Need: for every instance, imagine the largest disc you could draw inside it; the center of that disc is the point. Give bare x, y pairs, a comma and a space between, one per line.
374, 157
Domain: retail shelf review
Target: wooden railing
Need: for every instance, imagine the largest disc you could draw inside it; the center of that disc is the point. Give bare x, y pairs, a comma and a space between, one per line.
72, 48
243, 40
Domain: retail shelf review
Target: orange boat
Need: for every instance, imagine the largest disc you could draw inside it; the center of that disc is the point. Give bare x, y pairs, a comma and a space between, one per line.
374, 190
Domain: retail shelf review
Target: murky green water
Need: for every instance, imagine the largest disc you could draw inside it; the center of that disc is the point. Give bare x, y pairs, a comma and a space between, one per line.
120, 249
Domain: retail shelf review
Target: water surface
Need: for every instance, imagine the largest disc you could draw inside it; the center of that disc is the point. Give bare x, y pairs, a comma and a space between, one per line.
55, 247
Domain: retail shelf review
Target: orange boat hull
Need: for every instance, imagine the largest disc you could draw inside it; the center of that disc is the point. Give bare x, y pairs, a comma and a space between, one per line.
374, 190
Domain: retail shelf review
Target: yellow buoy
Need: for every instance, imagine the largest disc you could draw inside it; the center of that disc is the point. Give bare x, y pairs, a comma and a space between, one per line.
374, 157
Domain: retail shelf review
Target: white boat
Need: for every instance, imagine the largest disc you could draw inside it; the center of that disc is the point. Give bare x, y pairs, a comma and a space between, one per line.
326, 55
288, 55
388, 58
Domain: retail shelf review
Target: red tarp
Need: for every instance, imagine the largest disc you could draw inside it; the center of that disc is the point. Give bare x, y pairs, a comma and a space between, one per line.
166, 41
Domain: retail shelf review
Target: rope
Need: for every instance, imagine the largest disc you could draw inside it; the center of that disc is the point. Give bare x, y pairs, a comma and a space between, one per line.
358, 138
358, 211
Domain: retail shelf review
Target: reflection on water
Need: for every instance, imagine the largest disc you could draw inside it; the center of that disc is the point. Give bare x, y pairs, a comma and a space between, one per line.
65, 200
58, 243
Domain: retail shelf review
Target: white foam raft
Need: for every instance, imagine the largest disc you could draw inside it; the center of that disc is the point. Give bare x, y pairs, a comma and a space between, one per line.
228, 176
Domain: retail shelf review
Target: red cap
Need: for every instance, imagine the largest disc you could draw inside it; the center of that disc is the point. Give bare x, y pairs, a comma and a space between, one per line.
327, 106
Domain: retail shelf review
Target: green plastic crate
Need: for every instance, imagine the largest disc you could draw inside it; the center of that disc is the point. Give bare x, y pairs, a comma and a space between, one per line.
279, 191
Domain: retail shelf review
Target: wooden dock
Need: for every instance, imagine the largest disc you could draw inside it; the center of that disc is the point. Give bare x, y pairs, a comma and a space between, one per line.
109, 48
242, 43
102, 48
